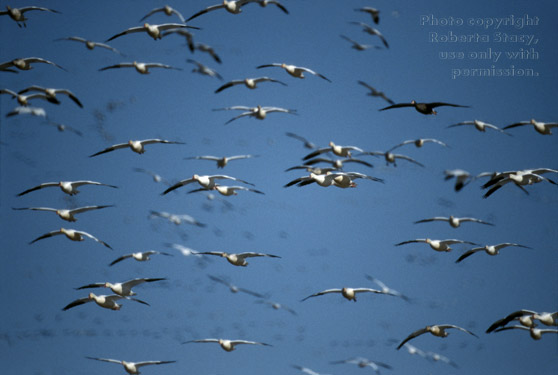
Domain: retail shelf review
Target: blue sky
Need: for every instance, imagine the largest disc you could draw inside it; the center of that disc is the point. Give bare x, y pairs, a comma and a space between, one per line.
326, 237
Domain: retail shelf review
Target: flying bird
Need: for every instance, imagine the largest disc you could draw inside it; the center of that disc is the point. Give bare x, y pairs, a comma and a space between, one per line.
424, 108
206, 182
277, 306
140, 256
108, 302
141, 67
18, 14
387, 290
374, 92
480, 126
221, 161
337, 163
348, 293
154, 31
207, 49
176, 219
250, 83
33, 111
437, 245
293, 70
68, 187
519, 178
204, 70
65, 214
438, 330
372, 31
342, 151
227, 345
90, 45
307, 370
232, 6
454, 221
364, 362
238, 259
123, 289
358, 46
227, 191
156, 177
526, 318
305, 141
25, 64
72, 234
543, 128
462, 177
536, 333
233, 288
391, 158
418, 143
264, 3
24, 99
136, 146
489, 249
50, 94
63, 127
258, 112
168, 10
375, 13
131, 367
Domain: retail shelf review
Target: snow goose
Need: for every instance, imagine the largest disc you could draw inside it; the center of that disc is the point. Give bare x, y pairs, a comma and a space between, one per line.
238, 259
176, 219
232, 6
141, 67
348, 293
155, 176
251, 83
411, 349
131, 367
227, 191
154, 31
372, 31
418, 143
543, 128
338, 163
277, 306
204, 70
123, 289
454, 221
17, 14
438, 245
391, 158
293, 70
536, 333
489, 249
65, 214
358, 46
63, 127
168, 10
72, 234
108, 302
206, 182
51, 94
305, 141
221, 161
436, 357
68, 187
374, 92
342, 151
227, 345
324, 180
438, 330
90, 45
480, 126
527, 319
307, 370
207, 49
136, 146
424, 108
33, 111
25, 63
519, 178
462, 177
364, 362
312, 169
385, 289
375, 13
140, 256
186, 34
24, 99
258, 112
233, 288
346, 179
264, 3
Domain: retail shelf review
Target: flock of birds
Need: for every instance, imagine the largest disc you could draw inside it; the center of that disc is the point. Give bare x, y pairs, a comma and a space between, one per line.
335, 156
